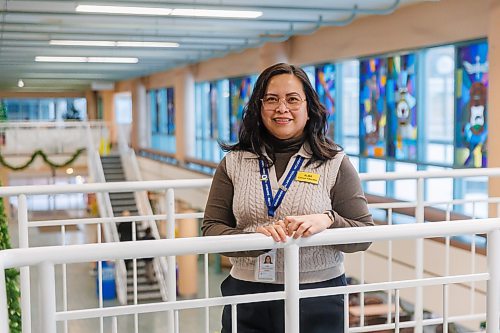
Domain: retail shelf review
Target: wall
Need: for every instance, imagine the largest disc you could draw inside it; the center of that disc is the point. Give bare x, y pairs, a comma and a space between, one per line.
376, 270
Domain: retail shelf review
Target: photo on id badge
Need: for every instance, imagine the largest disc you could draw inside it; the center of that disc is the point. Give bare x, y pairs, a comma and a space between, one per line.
266, 268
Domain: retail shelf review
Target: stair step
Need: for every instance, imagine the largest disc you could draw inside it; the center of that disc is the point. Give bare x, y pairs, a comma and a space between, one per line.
144, 288
145, 297
140, 281
121, 194
113, 171
115, 177
130, 200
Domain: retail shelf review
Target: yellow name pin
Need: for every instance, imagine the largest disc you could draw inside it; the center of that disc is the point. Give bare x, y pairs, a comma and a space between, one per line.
307, 177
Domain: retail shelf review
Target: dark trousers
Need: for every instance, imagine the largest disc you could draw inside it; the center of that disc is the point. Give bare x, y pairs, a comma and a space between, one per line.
317, 315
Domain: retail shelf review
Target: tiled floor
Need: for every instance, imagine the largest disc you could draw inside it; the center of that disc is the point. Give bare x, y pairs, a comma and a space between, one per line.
81, 286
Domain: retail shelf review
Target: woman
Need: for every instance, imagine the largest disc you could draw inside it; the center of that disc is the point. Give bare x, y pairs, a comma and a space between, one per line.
285, 178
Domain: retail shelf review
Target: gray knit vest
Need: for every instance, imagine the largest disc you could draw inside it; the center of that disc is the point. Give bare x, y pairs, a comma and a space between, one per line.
318, 263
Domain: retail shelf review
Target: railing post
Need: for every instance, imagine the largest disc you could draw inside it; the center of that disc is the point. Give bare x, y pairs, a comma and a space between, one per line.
4, 312
171, 273
48, 299
493, 284
419, 257
22, 221
292, 313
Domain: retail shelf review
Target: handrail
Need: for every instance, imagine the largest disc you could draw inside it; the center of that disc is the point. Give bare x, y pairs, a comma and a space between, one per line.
79, 253
47, 257
132, 172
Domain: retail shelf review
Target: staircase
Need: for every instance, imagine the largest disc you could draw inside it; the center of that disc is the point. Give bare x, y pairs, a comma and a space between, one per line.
120, 202
146, 292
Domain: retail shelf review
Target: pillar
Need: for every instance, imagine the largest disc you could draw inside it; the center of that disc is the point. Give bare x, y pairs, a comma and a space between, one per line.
184, 114
108, 106
140, 132
91, 98
494, 98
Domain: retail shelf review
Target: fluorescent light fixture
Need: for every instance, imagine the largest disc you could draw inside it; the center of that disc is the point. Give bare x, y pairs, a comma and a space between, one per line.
20, 83
82, 42
107, 43
216, 13
88, 59
113, 60
123, 10
168, 11
147, 44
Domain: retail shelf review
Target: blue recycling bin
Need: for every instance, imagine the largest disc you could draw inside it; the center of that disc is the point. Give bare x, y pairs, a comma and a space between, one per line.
108, 281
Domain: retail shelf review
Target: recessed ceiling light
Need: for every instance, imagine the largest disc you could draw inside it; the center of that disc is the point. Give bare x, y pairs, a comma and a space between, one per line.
215, 13
123, 10
167, 11
106, 43
82, 43
88, 59
20, 83
147, 44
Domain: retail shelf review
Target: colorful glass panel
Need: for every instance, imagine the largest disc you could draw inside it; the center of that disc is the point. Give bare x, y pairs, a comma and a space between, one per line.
325, 87
471, 105
372, 108
401, 107
240, 90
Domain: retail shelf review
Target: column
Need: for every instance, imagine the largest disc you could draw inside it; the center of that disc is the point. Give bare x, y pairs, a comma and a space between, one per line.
184, 114
140, 131
494, 98
108, 106
91, 98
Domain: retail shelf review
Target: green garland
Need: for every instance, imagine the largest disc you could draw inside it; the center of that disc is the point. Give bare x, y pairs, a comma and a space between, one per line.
45, 158
11, 277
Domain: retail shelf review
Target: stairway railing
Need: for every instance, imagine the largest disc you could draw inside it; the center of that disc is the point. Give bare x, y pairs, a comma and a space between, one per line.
110, 231
132, 172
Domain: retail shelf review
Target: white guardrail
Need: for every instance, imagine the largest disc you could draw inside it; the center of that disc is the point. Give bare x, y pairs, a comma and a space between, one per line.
46, 257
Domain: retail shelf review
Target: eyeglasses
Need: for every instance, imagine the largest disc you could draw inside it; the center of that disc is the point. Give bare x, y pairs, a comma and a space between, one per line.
292, 102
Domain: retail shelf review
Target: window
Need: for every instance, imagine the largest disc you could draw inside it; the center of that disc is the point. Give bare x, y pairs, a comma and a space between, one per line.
349, 110
438, 95
212, 119
46, 109
162, 111
240, 90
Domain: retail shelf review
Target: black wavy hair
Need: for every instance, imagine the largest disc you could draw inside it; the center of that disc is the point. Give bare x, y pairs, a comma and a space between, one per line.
251, 136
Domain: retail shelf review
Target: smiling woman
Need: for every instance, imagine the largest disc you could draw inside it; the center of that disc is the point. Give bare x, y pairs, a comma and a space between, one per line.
307, 185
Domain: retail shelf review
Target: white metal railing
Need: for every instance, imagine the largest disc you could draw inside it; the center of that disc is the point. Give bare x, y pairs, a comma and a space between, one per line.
107, 221
51, 137
46, 258
133, 173
171, 216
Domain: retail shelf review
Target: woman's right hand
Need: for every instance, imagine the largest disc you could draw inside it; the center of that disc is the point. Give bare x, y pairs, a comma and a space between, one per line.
276, 230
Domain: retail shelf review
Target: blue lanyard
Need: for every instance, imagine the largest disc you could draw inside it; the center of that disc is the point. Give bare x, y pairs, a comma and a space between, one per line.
273, 203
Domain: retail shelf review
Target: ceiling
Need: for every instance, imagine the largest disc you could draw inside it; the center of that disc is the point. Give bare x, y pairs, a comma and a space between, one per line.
27, 27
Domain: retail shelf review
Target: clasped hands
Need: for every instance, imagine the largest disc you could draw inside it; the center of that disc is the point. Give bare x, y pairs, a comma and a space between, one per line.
296, 226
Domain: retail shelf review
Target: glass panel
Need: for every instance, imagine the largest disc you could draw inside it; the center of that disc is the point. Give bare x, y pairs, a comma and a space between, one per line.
350, 106
405, 189
374, 166
325, 87
438, 92
372, 107
471, 126
438, 189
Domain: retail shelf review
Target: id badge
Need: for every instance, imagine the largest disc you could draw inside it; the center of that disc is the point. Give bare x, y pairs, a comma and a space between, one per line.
266, 267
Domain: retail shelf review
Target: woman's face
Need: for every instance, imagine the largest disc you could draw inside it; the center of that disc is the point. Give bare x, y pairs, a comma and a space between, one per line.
285, 121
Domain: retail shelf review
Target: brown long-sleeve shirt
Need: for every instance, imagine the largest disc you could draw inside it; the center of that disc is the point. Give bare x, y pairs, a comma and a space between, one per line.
348, 202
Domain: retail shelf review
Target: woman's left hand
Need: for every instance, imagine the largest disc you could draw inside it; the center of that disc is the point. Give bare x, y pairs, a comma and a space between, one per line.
306, 225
